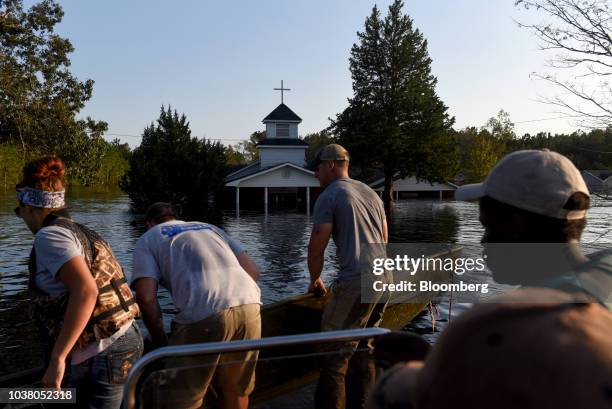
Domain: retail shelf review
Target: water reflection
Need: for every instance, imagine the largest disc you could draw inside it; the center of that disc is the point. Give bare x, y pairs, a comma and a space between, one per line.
15, 239
278, 243
424, 221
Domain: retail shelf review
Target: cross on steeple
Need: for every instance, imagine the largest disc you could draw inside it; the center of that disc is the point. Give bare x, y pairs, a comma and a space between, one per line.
281, 89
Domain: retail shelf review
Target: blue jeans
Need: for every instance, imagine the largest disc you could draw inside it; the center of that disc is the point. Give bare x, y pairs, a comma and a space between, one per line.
99, 380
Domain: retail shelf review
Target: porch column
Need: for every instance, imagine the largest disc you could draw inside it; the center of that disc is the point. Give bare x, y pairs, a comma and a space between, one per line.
266, 199
237, 200
440, 195
396, 195
308, 200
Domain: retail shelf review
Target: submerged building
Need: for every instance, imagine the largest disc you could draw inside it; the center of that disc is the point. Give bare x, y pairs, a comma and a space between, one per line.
411, 187
279, 178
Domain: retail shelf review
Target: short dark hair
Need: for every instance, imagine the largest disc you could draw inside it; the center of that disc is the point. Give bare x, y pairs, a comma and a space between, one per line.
543, 229
160, 212
341, 163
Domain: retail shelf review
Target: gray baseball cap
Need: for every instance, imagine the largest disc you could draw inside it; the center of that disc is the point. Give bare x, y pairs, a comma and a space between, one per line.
330, 152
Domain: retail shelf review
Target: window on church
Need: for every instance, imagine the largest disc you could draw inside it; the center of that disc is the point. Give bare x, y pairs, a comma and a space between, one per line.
282, 130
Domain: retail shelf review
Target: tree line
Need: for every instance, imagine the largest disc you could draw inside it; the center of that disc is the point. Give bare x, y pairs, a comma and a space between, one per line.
394, 122
480, 148
40, 100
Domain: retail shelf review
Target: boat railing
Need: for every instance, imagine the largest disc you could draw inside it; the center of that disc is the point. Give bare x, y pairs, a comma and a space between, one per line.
151, 359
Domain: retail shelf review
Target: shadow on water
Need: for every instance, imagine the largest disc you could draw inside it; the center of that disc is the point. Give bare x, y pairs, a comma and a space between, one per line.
423, 221
276, 241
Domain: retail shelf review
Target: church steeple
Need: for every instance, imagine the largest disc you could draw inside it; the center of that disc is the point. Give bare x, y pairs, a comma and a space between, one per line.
282, 143
282, 122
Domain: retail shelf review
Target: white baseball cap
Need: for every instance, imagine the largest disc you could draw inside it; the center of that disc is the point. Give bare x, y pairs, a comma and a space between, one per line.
539, 181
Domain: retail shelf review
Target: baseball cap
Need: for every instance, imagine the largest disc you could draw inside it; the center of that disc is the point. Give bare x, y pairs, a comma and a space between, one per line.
539, 181
512, 354
330, 152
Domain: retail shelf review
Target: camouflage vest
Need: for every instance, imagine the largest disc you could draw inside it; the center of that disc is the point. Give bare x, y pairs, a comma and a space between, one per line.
115, 305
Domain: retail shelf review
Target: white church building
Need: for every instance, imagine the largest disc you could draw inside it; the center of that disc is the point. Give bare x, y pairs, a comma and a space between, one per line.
279, 179
279, 176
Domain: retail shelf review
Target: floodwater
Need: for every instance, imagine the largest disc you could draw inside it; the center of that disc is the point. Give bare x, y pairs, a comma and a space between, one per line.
276, 241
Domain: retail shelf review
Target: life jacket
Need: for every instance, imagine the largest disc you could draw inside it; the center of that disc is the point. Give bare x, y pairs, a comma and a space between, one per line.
594, 279
115, 305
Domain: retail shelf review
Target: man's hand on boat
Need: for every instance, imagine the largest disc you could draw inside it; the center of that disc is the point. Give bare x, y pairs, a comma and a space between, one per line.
54, 374
317, 287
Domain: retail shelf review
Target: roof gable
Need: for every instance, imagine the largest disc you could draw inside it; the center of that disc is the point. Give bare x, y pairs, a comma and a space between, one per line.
244, 171
235, 180
282, 142
282, 113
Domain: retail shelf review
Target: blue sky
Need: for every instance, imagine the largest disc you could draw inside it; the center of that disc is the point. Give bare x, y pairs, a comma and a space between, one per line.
217, 62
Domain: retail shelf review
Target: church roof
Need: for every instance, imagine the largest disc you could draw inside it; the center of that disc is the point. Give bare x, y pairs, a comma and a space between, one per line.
282, 113
244, 172
255, 169
282, 142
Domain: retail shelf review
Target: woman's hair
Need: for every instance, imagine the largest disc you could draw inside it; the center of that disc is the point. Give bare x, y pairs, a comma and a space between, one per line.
46, 173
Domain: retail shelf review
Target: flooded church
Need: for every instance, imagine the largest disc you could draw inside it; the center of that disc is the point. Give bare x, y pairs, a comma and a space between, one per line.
279, 178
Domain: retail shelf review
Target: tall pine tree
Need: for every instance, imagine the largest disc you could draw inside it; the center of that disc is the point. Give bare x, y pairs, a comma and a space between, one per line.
395, 120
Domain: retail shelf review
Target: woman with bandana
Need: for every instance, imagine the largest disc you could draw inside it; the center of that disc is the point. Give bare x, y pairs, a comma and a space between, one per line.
79, 291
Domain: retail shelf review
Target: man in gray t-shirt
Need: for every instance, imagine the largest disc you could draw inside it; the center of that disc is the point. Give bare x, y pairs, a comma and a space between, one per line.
351, 213
357, 216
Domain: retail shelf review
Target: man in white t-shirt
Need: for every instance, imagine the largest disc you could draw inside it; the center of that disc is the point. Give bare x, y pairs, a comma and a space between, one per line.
213, 286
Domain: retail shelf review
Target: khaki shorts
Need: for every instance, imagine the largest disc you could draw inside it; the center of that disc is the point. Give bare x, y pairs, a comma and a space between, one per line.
236, 371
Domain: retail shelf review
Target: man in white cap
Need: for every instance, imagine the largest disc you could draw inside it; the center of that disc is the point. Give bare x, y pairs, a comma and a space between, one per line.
354, 215
533, 207
511, 354
544, 345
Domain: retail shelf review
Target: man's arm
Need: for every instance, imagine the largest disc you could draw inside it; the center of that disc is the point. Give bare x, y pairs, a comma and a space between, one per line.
316, 251
248, 265
385, 231
146, 296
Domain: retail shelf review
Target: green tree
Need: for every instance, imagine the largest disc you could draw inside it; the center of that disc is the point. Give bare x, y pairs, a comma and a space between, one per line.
11, 166
114, 164
171, 165
588, 150
395, 120
248, 149
479, 152
234, 157
501, 127
316, 141
39, 97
